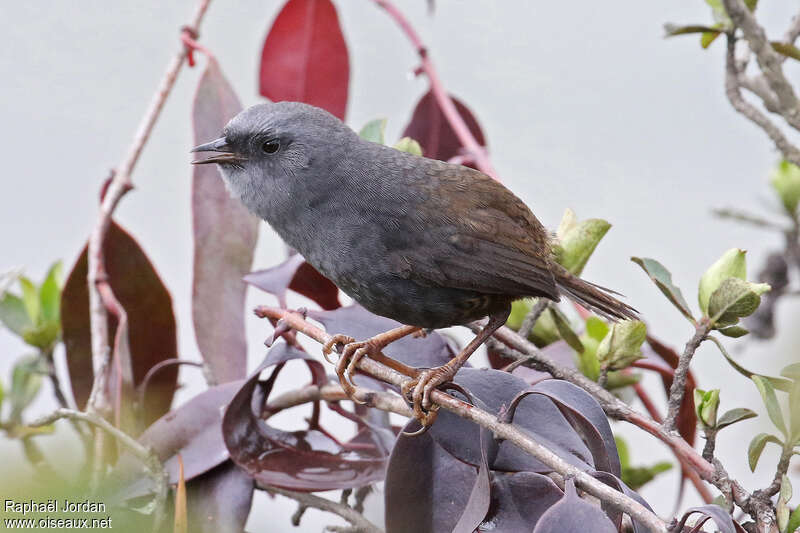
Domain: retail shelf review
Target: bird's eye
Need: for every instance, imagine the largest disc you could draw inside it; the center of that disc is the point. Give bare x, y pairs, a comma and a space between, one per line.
271, 147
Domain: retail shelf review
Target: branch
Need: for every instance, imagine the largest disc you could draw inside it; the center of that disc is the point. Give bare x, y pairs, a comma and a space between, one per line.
533, 315
489, 421
120, 183
475, 150
154, 467
678, 388
734, 94
360, 524
768, 59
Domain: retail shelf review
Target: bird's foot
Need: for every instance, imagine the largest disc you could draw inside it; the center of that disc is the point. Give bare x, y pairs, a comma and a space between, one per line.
418, 390
352, 352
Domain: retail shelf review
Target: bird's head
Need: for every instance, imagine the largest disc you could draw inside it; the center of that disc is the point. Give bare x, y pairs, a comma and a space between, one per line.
276, 150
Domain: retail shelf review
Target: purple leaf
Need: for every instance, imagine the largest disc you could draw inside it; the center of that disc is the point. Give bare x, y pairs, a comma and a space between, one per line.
304, 58
219, 500
480, 497
571, 513
427, 489
151, 323
616, 483
518, 501
431, 129
494, 390
584, 411
298, 275
721, 517
306, 460
225, 235
194, 430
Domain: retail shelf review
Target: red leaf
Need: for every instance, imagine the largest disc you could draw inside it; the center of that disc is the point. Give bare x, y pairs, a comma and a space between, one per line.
151, 323
306, 460
430, 128
225, 235
305, 57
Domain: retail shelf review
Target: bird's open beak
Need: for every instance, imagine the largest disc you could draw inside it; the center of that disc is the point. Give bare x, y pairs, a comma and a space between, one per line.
225, 154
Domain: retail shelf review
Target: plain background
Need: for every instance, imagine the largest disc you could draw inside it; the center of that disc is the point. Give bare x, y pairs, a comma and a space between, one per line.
585, 105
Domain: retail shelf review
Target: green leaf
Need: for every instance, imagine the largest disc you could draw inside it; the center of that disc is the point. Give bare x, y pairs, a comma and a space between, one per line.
791, 371
732, 264
618, 380
622, 451
785, 179
374, 130
782, 508
26, 380
544, 331
794, 412
50, 293
519, 310
30, 296
636, 476
409, 145
596, 328
672, 30
14, 315
735, 298
778, 383
44, 336
565, 330
663, 280
623, 345
706, 404
708, 37
787, 49
757, 446
733, 416
794, 520
578, 240
587, 361
718, 12
734, 331
771, 402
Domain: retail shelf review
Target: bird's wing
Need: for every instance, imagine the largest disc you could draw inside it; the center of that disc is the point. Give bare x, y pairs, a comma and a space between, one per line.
478, 236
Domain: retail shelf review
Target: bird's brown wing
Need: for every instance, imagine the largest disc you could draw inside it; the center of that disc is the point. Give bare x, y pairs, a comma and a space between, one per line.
480, 237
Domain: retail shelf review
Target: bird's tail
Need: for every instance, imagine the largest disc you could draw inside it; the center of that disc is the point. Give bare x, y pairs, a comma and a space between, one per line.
593, 297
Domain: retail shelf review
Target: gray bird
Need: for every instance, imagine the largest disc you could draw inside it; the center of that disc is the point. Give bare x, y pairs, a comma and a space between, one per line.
427, 243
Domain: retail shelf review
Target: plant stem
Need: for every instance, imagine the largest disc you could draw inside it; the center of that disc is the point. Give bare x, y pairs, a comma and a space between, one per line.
487, 420
678, 388
448, 108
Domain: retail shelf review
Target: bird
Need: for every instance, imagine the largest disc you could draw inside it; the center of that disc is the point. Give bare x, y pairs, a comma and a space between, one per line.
427, 243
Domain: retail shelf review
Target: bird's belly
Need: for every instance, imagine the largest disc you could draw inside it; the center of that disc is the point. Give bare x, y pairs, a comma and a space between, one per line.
410, 303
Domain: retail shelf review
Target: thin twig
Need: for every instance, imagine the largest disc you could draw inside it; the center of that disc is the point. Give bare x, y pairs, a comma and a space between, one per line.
119, 184
361, 524
502, 430
768, 59
678, 388
734, 94
475, 151
145, 454
533, 315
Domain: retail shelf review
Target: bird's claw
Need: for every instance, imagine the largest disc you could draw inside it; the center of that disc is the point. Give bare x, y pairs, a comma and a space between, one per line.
329, 346
352, 352
418, 392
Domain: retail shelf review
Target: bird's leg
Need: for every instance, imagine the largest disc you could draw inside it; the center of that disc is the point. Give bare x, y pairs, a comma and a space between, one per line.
422, 386
353, 351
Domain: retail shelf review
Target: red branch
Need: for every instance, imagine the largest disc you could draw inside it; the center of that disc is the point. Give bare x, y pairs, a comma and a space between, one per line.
119, 185
476, 152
